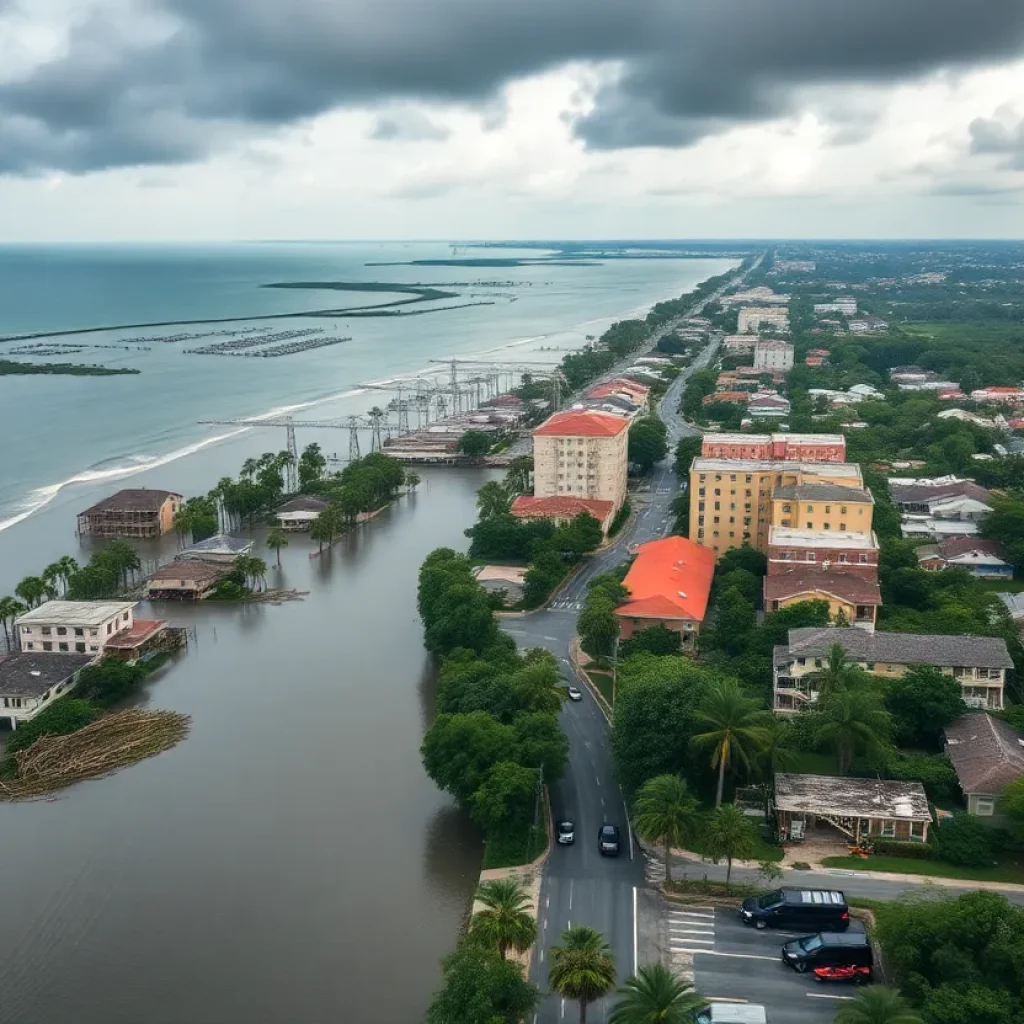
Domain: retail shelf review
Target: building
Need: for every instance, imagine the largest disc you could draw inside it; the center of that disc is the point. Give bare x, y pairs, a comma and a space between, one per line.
857, 808
507, 580
978, 663
766, 406
851, 551
729, 397
218, 550
751, 319
820, 506
984, 558
30, 681
867, 325
774, 356
987, 754
300, 513
848, 307
775, 447
581, 454
731, 500
796, 266
562, 509
136, 512
739, 344
761, 295
1013, 396
931, 529
143, 637
73, 627
995, 423
185, 580
848, 594
668, 584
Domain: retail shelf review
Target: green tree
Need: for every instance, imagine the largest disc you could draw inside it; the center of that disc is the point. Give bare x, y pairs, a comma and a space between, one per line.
277, 539
505, 921
654, 995
877, 1005
505, 801
664, 813
854, 723
311, 466
474, 443
734, 729
109, 680
545, 571
963, 839
582, 967
922, 702
33, 590
838, 673
460, 750
520, 470
481, 988
493, 499
10, 609
647, 443
729, 833
688, 449
657, 640
598, 627
1011, 803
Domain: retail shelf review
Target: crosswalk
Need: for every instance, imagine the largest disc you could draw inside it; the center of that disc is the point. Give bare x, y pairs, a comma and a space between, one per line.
568, 606
691, 930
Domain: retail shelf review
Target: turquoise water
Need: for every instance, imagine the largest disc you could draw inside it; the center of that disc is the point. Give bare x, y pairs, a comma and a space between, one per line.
76, 437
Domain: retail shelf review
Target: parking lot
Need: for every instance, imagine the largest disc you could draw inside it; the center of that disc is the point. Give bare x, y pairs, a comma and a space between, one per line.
734, 962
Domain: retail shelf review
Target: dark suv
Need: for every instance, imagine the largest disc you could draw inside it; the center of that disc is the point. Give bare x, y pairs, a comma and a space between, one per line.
828, 949
797, 910
608, 840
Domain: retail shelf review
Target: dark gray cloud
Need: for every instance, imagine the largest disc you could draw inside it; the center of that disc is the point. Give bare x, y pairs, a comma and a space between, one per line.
688, 67
1001, 135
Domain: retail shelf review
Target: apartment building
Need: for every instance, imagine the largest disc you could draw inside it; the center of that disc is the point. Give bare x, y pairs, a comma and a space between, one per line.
850, 598
731, 499
845, 306
818, 506
752, 318
823, 551
978, 663
775, 447
138, 512
73, 627
773, 356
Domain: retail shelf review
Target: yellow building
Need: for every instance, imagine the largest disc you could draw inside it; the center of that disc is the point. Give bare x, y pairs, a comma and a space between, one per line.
815, 505
731, 499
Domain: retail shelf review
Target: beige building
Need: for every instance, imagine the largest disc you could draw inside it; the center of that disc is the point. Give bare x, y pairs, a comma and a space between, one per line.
581, 453
73, 627
751, 318
134, 512
773, 356
822, 507
731, 499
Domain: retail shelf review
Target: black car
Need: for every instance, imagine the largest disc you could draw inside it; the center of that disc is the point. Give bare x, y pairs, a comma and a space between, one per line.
608, 840
566, 833
828, 949
797, 910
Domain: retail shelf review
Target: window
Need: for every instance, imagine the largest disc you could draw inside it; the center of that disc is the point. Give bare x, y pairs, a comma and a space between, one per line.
700, 506
842, 556
786, 508
888, 830
863, 559
715, 520
125, 616
828, 509
749, 478
842, 510
80, 648
62, 646
61, 631
46, 631
93, 647
29, 646
826, 526
983, 807
787, 555
810, 508
79, 631
718, 506
810, 526
47, 645
110, 626
842, 526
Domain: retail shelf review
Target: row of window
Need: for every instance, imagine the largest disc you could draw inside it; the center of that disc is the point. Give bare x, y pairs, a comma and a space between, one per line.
828, 509
812, 556
811, 526
62, 645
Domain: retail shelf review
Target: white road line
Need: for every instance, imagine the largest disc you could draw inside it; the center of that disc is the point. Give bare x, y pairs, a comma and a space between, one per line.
683, 940
571, 885
718, 952
547, 902
689, 926
822, 995
726, 999
691, 913
634, 932
597, 780
542, 956
562, 1014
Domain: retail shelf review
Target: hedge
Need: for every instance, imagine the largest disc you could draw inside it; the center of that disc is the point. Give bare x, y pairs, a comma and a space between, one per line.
902, 848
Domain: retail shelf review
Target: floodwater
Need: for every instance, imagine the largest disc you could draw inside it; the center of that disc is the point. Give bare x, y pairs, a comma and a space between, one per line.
289, 861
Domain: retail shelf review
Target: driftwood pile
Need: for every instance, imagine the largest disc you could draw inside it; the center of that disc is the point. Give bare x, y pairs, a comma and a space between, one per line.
113, 741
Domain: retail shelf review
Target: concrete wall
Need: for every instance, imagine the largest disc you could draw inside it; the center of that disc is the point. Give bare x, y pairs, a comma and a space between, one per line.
581, 467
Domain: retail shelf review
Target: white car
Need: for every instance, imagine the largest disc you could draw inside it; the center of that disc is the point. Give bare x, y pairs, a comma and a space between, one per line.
566, 833
575, 693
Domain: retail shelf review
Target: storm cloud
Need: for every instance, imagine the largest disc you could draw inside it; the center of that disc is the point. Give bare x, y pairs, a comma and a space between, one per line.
196, 74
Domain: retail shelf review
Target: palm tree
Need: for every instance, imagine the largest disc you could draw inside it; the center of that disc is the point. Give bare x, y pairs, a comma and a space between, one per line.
854, 722
249, 468
654, 995
505, 921
664, 813
730, 834
32, 590
877, 1005
276, 540
320, 530
838, 673
735, 729
775, 756
10, 609
68, 567
52, 573
184, 521
582, 967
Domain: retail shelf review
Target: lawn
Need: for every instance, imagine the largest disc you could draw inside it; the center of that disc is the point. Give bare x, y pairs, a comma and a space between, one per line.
763, 850
603, 681
933, 868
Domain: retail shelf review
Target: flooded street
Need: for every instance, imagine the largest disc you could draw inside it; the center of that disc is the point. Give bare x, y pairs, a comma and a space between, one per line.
289, 861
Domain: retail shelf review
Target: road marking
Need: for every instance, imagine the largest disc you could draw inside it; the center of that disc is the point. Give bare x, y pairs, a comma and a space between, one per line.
571, 885
726, 999
718, 952
597, 780
691, 913
629, 829
568, 922
562, 1014
634, 932
542, 956
602, 803
683, 939
822, 995
547, 902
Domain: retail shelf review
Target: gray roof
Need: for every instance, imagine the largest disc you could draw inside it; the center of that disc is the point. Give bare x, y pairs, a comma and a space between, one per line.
821, 492
986, 752
921, 494
850, 798
220, 544
31, 674
899, 648
75, 613
304, 503
132, 499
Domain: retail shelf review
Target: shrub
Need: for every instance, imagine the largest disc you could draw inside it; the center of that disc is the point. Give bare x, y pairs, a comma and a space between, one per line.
934, 771
899, 848
60, 718
964, 840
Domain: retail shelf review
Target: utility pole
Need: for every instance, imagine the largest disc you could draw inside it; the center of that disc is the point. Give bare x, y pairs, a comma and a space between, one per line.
353, 438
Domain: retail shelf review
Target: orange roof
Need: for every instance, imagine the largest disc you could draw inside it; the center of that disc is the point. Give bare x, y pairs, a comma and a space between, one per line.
725, 396
581, 423
670, 579
560, 506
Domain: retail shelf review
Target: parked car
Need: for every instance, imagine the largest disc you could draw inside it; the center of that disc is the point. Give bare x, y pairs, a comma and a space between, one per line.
829, 949
566, 833
730, 1013
797, 910
608, 840
575, 693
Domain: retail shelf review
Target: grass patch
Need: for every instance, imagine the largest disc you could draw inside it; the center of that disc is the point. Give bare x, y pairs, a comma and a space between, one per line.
603, 681
1001, 586
691, 887
932, 868
763, 850
512, 851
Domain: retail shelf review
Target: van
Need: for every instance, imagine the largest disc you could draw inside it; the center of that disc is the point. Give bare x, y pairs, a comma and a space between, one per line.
730, 1013
829, 949
608, 840
797, 910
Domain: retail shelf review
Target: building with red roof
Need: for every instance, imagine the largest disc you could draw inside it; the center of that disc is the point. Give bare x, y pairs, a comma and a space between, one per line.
563, 509
668, 585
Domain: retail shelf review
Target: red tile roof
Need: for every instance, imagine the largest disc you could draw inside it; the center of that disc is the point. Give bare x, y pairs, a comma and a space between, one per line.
140, 631
581, 423
844, 585
670, 579
561, 506
953, 547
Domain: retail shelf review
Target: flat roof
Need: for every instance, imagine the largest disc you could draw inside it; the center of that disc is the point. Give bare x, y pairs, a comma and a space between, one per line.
31, 673
737, 438
76, 613
782, 535
841, 796
814, 491
844, 469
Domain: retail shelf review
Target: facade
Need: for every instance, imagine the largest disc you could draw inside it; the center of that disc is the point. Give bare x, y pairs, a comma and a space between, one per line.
508, 580
821, 507
731, 500
30, 681
978, 663
1014, 396
73, 627
562, 509
772, 355
983, 558
668, 583
988, 754
300, 513
751, 318
581, 453
761, 295
857, 808
136, 512
855, 598
823, 550
845, 306
775, 447
185, 580
771, 407
738, 344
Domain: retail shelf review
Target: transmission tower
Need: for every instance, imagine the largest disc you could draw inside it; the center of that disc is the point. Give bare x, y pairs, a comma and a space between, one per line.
377, 417
354, 423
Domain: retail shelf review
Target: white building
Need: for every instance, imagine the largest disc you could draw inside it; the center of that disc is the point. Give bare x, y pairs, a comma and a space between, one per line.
845, 306
752, 318
73, 627
759, 296
30, 682
773, 356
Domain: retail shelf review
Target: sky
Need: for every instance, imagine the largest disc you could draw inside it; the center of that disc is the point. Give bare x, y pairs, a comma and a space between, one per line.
358, 119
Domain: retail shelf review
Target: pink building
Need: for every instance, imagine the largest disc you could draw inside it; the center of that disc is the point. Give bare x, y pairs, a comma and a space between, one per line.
776, 447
